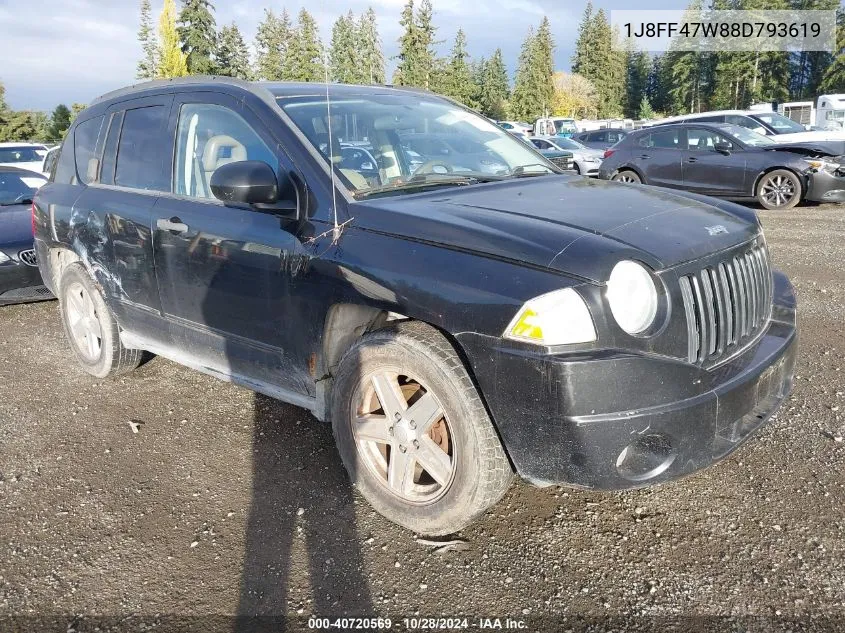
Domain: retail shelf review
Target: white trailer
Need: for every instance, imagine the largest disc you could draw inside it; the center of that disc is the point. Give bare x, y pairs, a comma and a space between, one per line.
830, 112
803, 112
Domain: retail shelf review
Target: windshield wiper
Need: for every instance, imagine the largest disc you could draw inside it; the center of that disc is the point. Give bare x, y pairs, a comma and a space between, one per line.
422, 181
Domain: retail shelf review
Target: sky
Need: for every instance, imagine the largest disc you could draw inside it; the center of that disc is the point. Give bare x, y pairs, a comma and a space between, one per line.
75, 50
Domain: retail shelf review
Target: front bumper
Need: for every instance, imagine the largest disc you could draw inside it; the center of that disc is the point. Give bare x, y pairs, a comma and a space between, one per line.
614, 420
20, 283
822, 186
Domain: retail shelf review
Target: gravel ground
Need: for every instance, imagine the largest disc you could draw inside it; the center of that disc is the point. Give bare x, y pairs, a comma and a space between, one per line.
226, 503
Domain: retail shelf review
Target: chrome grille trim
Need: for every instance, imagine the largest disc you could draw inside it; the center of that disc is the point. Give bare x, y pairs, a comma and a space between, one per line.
727, 304
28, 257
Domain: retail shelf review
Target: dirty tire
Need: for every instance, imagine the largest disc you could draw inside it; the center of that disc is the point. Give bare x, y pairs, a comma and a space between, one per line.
627, 176
779, 189
481, 470
111, 358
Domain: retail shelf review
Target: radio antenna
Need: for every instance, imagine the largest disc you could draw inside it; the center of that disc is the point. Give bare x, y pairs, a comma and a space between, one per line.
336, 227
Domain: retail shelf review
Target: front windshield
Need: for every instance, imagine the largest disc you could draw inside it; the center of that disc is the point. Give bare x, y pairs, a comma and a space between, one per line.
19, 155
780, 124
408, 140
747, 136
18, 188
564, 126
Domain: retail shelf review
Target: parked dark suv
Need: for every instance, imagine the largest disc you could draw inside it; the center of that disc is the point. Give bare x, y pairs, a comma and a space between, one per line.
452, 326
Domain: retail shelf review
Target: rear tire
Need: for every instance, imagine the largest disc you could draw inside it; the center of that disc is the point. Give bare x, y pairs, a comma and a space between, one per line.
779, 189
429, 459
91, 329
627, 176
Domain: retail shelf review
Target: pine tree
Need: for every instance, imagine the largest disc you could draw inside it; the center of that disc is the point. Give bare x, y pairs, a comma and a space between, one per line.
406, 70
457, 78
638, 67
343, 56
271, 44
523, 103
173, 62
645, 110
495, 87
232, 58
370, 55
533, 93
304, 56
833, 79
148, 65
426, 30
197, 31
59, 123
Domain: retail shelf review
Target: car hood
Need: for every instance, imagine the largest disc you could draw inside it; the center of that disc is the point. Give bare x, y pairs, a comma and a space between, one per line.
572, 225
812, 148
28, 165
15, 226
809, 136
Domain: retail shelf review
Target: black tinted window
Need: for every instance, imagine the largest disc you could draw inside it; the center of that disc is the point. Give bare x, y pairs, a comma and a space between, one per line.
85, 145
110, 150
664, 139
140, 161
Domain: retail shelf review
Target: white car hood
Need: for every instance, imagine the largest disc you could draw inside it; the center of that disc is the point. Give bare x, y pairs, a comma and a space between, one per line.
804, 137
30, 165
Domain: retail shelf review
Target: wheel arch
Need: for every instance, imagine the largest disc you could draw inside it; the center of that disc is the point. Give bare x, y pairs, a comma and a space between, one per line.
801, 179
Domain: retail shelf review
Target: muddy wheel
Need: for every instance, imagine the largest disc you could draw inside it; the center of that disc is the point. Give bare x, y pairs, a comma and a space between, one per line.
779, 189
413, 433
627, 176
91, 329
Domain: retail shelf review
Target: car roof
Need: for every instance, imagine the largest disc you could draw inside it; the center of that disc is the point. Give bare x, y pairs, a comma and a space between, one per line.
7, 145
20, 172
276, 89
683, 125
695, 115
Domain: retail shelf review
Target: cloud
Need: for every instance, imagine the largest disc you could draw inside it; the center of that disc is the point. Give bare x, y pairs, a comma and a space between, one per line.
88, 47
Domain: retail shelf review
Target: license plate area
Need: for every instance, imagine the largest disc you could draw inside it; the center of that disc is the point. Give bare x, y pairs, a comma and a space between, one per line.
749, 406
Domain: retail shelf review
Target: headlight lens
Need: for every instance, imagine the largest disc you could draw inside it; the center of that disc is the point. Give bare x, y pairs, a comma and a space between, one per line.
557, 318
819, 165
632, 296
3, 257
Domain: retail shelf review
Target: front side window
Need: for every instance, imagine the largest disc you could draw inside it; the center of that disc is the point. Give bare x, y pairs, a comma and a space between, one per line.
413, 139
703, 140
210, 136
85, 147
748, 137
140, 163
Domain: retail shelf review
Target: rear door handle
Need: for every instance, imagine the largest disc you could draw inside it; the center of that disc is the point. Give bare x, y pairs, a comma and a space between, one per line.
645, 156
174, 225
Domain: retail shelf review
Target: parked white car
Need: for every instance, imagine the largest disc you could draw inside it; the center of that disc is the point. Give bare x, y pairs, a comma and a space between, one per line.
516, 127
22, 155
776, 126
586, 161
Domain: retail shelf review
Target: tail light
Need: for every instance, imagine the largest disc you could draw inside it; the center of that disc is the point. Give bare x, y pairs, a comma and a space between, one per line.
33, 218
608, 153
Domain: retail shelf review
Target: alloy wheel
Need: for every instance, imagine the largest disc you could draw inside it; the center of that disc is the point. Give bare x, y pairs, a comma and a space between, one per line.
778, 191
403, 436
83, 321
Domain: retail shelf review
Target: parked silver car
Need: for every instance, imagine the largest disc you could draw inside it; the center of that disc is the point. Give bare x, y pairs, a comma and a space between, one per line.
586, 161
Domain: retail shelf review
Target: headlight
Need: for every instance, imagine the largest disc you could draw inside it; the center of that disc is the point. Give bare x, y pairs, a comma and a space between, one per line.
557, 318
632, 296
819, 165
3, 257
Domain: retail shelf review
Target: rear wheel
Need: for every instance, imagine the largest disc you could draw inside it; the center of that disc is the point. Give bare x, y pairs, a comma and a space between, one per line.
413, 433
779, 189
91, 330
627, 176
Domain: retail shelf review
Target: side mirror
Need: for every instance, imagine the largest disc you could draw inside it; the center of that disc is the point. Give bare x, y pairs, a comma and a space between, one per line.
245, 181
723, 147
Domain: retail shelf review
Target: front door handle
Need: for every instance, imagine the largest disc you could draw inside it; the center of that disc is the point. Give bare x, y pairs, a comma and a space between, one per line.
692, 159
174, 225
645, 156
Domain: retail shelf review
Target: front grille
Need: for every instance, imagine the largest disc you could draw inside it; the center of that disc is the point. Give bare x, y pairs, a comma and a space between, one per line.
727, 305
28, 257
563, 162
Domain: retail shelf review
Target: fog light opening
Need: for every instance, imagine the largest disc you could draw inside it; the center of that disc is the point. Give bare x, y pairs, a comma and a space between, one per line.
646, 457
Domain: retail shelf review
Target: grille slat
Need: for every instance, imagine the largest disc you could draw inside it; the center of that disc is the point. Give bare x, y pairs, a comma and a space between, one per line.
28, 257
726, 305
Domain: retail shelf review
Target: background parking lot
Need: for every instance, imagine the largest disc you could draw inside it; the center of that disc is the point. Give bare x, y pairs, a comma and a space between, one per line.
224, 502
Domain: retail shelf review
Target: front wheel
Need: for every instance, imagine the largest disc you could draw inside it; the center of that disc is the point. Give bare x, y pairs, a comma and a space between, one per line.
413, 433
779, 189
627, 176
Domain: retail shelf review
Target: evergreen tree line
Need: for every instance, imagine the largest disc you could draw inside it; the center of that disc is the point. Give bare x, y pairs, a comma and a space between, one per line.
625, 81
30, 125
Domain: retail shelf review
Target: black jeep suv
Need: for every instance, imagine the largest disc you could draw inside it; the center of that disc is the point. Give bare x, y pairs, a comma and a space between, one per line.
454, 325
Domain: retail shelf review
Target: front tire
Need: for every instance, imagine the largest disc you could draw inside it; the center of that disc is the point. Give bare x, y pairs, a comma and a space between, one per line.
413, 433
91, 329
627, 176
779, 189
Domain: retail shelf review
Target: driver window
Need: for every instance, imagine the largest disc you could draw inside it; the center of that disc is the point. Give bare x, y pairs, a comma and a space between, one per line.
701, 140
210, 136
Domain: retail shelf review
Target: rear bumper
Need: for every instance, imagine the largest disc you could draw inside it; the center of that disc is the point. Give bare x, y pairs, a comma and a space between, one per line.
823, 186
614, 420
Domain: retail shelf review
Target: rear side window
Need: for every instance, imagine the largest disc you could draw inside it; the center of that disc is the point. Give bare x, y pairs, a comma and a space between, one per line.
140, 161
110, 149
85, 147
664, 139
